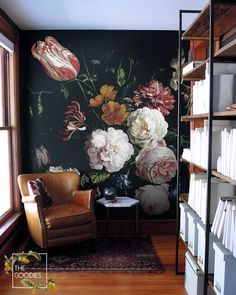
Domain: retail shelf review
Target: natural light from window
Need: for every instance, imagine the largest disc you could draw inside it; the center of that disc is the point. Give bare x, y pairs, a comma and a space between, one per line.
5, 193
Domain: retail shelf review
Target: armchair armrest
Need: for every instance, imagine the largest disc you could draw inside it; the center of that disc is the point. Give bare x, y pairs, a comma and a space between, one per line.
32, 199
35, 218
34, 204
84, 198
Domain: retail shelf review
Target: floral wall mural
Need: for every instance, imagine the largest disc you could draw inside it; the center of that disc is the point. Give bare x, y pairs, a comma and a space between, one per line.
100, 103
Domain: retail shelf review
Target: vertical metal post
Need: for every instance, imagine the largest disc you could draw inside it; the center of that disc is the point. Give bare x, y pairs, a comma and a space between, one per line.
181, 12
178, 143
210, 117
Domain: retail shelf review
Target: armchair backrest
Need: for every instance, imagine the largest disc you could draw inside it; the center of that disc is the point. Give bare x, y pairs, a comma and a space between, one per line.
60, 185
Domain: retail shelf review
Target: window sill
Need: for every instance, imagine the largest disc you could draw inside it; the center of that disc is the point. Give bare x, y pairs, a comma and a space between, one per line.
8, 226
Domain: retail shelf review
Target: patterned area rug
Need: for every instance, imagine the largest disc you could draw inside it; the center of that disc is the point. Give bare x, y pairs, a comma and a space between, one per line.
112, 255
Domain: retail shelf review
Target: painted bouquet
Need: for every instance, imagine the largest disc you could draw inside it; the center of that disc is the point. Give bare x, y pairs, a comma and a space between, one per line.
121, 125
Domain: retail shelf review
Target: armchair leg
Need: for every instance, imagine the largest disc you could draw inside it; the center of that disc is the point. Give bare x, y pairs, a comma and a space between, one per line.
93, 245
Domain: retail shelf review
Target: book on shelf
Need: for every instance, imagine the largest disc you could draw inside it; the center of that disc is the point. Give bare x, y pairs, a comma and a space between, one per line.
227, 158
224, 223
197, 199
190, 66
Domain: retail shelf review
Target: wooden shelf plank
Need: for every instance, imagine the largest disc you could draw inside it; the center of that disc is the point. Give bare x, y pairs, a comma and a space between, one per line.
211, 282
196, 165
214, 172
223, 177
183, 198
196, 74
227, 115
224, 20
229, 50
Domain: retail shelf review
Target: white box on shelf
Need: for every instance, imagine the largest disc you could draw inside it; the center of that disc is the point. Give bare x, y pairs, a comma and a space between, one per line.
193, 276
192, 232
184, 208
201, 248
224, 270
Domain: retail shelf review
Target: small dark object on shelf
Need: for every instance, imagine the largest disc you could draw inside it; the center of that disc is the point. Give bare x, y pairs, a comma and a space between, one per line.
109, 193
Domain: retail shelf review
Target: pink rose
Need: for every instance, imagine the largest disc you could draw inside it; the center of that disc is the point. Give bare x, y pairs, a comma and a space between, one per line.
156, 163
58, 62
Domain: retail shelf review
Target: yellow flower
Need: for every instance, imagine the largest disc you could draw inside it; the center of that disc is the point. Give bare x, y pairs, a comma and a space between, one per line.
52, 286
25, 260
114, 113
7, 267
107, 92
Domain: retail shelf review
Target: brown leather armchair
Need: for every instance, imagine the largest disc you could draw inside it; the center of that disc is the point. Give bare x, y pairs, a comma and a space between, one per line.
71, 216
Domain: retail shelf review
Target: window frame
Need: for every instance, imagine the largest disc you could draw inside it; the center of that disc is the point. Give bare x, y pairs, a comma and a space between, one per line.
12, 125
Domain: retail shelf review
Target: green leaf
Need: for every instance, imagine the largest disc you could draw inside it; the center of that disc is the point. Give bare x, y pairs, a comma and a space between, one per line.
173, 84
98, 177
174, 63
84, 180
27, 283
64, 90
34, 254
120, 76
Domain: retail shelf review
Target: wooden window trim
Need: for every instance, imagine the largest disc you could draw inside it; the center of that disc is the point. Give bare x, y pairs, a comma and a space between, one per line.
11, 218
9, 225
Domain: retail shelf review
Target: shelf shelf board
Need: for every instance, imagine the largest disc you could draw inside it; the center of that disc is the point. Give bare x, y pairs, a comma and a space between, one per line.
196, 74
196, 165
227, 115
183, 198
223, 177
214, 172
224, 20
229, 50
211, 282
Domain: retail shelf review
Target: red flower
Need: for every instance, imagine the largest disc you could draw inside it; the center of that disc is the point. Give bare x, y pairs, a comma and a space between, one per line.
155, 96
74, 120
58, 62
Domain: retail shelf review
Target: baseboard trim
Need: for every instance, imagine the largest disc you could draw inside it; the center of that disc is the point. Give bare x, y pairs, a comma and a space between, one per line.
146, 227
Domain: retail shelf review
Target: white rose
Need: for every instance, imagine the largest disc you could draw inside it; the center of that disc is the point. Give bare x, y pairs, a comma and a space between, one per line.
109, 149
154, 199
145, 125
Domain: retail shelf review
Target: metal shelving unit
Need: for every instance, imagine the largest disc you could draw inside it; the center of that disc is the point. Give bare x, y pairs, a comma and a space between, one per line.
214, 20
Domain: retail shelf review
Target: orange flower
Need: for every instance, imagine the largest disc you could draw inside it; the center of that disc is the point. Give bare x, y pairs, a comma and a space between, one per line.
114, 113
107, 92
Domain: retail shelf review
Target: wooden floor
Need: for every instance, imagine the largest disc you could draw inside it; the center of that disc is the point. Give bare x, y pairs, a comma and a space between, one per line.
115, 284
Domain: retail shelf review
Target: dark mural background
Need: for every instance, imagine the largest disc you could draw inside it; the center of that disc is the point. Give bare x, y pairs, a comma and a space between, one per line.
88, 82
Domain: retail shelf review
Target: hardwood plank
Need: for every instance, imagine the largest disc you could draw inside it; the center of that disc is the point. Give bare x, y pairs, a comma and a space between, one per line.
216, 115
196, 74
224, 21
116, 284
229, 50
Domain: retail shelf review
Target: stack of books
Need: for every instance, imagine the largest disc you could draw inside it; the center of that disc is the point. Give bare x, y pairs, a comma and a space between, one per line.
226, 163
199, 144
224, 223
224, 90
197, 199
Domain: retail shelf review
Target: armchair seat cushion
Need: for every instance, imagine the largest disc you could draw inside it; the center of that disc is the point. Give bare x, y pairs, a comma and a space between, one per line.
66, 215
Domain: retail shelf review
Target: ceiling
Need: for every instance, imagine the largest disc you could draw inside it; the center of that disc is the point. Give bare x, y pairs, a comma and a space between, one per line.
99, 14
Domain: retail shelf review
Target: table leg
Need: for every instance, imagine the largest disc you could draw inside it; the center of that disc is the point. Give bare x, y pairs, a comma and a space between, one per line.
107, 223
136, 221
